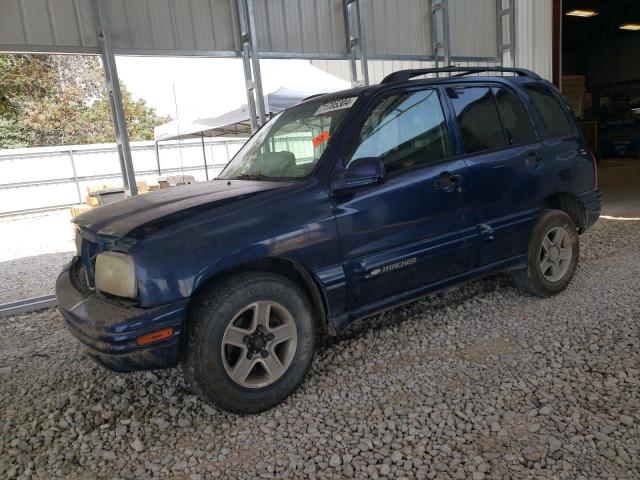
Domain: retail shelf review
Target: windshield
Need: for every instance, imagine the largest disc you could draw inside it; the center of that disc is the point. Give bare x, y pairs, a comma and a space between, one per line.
290, 144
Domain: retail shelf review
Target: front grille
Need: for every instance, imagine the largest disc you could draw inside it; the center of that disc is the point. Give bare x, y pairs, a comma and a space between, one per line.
89, 252
79, 278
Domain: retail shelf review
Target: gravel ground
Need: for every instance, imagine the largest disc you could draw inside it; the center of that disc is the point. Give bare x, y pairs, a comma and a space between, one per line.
479, 382
31, 276
33, 249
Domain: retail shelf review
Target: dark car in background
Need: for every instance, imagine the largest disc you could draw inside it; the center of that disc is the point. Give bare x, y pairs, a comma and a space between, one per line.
338, 208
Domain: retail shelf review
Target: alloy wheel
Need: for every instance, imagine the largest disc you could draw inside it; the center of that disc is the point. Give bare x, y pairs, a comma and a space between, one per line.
556, 253
259, 344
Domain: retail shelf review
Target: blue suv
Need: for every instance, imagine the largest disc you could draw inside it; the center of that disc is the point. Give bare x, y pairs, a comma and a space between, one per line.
336, 209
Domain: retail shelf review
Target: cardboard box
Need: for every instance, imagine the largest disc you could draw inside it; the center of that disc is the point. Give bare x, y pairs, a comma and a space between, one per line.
92, 201
573, 85
75, 211
142, 186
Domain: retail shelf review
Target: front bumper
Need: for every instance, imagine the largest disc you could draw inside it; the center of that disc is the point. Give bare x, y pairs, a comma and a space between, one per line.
109, 330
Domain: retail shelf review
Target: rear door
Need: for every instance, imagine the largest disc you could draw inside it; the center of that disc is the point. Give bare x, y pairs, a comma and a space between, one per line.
404, 233
503, 156
567, 164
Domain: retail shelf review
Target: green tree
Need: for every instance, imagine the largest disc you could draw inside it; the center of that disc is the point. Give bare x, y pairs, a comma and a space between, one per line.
62, 100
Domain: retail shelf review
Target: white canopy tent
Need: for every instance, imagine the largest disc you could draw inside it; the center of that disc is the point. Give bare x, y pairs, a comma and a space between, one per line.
231, 123
302, 81
286, 87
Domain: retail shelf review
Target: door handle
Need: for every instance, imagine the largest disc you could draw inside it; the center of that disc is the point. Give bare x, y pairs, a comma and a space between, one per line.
534, 159
448, 182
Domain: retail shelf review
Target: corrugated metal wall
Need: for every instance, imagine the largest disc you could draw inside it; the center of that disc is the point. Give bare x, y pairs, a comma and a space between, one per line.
473, 28
533, 39
378, 69
534, 28
197, 25
34, 22
308, 26
398, 27
302, 28
141, 26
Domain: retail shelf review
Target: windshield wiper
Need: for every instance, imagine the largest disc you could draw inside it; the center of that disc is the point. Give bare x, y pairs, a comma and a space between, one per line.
246, 176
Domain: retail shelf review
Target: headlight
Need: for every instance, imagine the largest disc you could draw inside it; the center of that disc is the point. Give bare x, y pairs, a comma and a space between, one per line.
116, 274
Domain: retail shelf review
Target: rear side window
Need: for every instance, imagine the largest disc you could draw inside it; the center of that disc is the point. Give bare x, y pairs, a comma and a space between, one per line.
515, 119
478, 118
550, 110
405, 130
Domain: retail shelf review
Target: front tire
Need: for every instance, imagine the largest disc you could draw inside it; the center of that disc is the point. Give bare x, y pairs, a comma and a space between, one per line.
552, 256
250, 342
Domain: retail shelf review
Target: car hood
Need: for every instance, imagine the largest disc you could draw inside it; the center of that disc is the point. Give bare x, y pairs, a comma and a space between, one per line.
140, 216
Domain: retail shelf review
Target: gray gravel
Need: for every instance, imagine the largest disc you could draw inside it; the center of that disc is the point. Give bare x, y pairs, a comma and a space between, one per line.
31, 276
480, 382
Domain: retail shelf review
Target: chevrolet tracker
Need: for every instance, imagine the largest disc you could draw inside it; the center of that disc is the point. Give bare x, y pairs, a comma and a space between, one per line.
337, 208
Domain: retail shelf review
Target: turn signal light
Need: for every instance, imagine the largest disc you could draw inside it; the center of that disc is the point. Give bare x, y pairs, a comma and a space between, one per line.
152, 337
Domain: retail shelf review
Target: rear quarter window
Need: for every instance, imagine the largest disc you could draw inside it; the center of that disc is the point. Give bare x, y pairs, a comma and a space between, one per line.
551, 112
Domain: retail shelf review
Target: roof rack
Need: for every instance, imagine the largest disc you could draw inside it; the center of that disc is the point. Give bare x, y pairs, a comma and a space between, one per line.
406, 75
312, 96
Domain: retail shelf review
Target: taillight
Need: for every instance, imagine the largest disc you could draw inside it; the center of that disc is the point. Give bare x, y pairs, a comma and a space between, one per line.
595, 169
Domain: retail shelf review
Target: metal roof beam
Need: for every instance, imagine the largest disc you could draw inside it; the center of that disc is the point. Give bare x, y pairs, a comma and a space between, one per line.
251, 63
440, 9
115, 97
356, 41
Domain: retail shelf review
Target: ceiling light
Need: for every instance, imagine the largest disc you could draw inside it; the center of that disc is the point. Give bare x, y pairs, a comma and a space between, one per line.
630, 26
582, 13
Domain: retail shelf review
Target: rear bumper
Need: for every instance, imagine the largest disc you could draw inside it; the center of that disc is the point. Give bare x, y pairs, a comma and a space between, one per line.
592, 202
109, 330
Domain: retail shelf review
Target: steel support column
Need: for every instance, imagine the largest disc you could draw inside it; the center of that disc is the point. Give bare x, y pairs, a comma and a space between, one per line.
512, 31
204, 157
251, 63
441, 43
506, 16
75, 175
115, 98
356, 41
157, 149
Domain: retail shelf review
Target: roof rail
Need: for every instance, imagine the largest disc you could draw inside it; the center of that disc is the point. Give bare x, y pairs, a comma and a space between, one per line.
312, 96
405, 75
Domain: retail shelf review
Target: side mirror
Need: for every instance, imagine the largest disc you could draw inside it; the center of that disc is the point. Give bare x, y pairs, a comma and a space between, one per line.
360, 173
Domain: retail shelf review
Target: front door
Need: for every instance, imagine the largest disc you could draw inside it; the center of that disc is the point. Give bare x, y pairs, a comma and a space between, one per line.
405, 232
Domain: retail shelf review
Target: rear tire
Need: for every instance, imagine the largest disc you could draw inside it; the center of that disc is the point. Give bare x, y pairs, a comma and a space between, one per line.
250, 342
552, 256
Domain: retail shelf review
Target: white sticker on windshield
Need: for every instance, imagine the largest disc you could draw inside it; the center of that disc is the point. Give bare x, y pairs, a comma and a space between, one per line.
336, 105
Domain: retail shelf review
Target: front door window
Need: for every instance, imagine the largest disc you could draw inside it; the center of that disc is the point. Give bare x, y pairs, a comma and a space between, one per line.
405, 130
